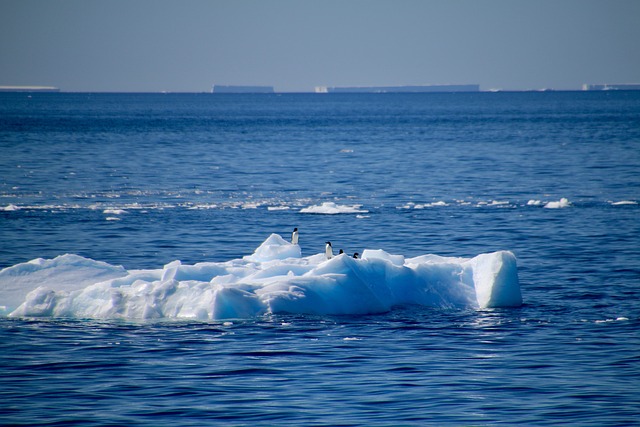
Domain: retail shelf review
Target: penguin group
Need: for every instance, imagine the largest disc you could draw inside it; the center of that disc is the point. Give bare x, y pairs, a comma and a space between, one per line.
328, 249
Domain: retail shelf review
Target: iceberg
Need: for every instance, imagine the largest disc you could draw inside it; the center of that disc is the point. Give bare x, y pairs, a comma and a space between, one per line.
276, 278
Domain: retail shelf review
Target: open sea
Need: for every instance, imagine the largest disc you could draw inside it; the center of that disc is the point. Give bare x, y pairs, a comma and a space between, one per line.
141, 180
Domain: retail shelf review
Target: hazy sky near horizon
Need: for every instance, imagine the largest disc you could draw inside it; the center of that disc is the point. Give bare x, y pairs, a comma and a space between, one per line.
294, 45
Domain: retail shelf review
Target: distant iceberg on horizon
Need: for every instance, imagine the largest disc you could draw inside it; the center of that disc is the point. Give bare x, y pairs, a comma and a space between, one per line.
618, 86
400, 89
29, 89
241, 89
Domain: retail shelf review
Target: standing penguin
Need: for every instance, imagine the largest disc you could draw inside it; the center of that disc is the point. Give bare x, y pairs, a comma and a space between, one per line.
294, 236
328, 251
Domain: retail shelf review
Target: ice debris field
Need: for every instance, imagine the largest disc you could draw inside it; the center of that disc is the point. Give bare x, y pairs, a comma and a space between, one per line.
274, 279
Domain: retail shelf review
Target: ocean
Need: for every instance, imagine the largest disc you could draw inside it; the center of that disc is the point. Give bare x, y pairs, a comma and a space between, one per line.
144, 180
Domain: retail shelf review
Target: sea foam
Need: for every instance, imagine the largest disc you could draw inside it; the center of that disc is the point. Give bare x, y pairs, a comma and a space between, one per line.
274, 279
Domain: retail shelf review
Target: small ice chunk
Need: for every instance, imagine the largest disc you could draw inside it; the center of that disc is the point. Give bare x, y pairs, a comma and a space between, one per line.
562, 203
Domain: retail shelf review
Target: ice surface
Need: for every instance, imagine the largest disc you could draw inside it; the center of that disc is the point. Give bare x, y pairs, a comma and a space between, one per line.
64, 274
274, 279
274, 248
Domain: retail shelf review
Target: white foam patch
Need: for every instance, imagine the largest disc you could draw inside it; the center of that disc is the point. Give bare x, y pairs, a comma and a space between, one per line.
624, 202
412, 205
331, 208
114, 211
251, 205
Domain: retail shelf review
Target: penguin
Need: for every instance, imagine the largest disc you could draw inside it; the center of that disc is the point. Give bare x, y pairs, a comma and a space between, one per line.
294, 236
328, 251
341, 252
356, 255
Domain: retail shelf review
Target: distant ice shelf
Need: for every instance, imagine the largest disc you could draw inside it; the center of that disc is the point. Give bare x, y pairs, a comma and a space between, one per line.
624, 86
400, 89
29, 89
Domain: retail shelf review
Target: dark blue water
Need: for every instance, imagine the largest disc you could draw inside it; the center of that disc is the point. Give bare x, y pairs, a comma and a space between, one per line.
207, 178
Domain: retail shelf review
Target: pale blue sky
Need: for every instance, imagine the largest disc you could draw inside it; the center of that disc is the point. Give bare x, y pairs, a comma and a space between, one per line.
294, 45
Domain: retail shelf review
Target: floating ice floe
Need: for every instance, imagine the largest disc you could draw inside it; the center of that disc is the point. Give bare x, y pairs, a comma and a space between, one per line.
330, 208
562, 203
274, 279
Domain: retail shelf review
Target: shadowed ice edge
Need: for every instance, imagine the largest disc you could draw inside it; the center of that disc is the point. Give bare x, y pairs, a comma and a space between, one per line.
274, 279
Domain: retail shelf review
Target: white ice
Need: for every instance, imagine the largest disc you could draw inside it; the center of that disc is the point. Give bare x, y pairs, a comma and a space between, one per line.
331, 208
562, 203
274, 279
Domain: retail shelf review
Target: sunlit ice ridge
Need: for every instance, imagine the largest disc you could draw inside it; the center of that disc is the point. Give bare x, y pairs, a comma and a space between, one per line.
276, 278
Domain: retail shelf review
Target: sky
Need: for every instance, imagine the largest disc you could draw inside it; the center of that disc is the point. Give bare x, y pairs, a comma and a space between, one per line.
295, 45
